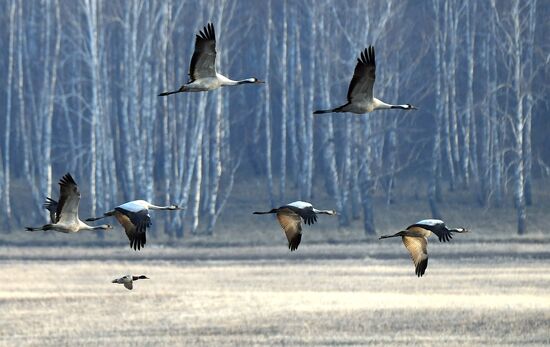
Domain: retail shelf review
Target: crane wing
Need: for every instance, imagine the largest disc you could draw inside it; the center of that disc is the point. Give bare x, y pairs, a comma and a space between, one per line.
203, 62
361, 85
51, 205
436, 227
443, 234
135, 225
305, 212
69, 199
292, 226
418, 249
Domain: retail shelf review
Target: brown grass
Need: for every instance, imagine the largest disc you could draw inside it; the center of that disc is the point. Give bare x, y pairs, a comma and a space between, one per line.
491, 293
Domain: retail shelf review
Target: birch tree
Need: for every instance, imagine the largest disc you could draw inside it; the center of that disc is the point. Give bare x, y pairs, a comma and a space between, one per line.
80, 94
6, 150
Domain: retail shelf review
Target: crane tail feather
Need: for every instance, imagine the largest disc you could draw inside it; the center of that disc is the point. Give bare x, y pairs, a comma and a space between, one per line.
44, 227
181, 90
387, 236
105, 215
93, 219
169, 93
323, 111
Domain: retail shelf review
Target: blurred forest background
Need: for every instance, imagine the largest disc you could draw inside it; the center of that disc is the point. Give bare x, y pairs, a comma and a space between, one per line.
79, 84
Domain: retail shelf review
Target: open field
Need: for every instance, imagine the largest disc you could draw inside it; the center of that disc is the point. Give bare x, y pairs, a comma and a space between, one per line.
483, 293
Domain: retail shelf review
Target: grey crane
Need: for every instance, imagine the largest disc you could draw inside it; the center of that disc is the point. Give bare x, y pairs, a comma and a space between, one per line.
415, 239
202, 70
135, 219
360, 91
64, 215
290, 218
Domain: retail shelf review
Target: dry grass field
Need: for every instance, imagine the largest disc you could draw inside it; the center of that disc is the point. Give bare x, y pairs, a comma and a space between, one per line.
474, 293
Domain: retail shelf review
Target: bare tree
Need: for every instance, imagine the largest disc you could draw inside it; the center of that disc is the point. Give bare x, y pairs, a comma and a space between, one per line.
5, 174
81, 79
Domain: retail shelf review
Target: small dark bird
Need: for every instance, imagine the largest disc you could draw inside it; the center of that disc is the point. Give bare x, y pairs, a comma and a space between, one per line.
290, 217
415, 239
128, 280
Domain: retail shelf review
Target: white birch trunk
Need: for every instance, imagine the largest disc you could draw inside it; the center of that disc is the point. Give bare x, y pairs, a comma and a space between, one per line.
470, 43
367, 185
93, 37
24, 127
49, 111
309, 156
216, 164
487, 136
327, 135
194, 160
284, 106
197, 192
267, 109
529, 101
128, 163
433, 187
290, 88
451, 96
519, 120
302, 115
166, 71
6, 151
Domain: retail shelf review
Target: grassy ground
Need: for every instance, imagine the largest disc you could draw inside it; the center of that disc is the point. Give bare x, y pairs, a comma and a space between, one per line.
473, 293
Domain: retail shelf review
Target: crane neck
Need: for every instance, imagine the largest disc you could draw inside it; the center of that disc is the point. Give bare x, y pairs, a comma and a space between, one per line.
401, 107
329, 212
245, 81
84, 226
381, 105
155, 207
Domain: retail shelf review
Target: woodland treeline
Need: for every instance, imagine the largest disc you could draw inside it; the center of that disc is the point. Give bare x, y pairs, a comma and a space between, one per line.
79, 93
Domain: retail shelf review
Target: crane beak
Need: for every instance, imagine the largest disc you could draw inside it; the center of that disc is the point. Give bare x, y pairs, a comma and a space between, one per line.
260, 81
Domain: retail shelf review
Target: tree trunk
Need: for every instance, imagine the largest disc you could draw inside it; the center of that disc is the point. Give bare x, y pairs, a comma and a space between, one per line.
529, 102
267, 109
5, 184
284, 107
433, 187
519, 120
